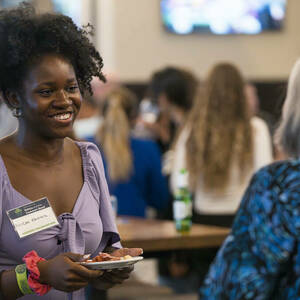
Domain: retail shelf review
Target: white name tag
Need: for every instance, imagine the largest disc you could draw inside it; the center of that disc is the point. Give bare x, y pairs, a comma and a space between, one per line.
33, 217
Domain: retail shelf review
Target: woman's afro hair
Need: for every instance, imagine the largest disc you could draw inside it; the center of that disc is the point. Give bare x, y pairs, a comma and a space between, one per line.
25, 36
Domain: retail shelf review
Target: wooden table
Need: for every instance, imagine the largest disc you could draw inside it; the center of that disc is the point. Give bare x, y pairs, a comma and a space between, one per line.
158, 235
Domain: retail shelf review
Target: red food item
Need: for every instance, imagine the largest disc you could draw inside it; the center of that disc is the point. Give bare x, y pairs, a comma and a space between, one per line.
103, 257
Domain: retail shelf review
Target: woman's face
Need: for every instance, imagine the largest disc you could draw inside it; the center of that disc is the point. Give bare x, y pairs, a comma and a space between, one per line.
50, 99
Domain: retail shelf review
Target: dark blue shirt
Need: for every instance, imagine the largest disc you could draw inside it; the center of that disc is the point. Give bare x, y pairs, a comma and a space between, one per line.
146, 186
260, 259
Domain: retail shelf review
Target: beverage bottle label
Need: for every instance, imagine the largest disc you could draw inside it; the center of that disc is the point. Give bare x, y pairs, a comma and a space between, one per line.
182, 210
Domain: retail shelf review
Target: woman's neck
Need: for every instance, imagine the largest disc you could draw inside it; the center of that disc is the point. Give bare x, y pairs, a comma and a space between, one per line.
40, 150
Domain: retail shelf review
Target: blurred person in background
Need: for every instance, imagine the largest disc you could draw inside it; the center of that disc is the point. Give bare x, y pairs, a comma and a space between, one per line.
172, 91
220, 146
252, 99
8, 123
268, 120
133, 166
102, 89
89, 118
263, 118
260, 259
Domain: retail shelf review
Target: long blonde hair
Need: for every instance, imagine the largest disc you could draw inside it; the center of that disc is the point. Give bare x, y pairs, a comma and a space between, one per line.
220, 130
119, 110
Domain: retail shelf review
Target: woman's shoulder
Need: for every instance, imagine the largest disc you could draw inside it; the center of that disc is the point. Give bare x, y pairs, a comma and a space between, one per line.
89, 150
280, 174
278, 167
92, 164
260, 127
258, 122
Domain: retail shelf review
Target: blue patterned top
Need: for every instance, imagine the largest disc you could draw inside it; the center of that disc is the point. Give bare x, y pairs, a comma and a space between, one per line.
260, 259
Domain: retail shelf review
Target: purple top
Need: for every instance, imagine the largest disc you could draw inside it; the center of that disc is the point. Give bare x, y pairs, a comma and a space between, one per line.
88, 229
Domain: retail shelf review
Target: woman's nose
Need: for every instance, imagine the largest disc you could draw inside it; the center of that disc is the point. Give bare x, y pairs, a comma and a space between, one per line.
62, 98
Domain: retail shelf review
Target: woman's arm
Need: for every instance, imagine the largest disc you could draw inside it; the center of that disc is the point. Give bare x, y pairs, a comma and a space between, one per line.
258, 249
62, 273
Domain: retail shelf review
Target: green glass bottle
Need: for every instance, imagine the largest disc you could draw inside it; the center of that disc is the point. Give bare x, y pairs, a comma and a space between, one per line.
182, 205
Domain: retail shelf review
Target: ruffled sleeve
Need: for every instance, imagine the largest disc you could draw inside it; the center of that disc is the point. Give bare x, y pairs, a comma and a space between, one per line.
98, 185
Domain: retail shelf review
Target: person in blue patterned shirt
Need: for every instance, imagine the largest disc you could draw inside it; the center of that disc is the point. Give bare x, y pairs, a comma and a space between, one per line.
260, 258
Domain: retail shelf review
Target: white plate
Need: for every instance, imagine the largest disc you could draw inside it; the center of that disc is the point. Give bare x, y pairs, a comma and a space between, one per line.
115, 264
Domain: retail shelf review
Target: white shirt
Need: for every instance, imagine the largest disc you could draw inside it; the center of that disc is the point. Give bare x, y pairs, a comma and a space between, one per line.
87, 127
210, 202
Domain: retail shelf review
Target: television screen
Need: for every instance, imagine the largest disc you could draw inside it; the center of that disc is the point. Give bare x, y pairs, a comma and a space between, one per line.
222, 16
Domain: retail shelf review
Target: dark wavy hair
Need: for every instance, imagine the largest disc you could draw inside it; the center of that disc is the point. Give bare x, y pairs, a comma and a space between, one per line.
26, 36
179, 86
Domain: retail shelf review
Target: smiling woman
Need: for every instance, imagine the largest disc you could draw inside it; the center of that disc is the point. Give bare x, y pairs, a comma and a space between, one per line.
46, 63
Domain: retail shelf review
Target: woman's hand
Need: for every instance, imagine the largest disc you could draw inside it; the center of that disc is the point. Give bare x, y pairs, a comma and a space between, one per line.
111, 277
64, 274
116, 276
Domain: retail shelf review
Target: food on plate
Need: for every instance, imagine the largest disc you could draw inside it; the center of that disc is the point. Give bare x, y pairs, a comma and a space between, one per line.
107, 257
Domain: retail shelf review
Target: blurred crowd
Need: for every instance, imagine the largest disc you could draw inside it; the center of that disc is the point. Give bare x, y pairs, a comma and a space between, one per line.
213, 128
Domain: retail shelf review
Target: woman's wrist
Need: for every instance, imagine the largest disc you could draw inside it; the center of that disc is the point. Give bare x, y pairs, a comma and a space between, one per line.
34, 279
42, 266
22, 279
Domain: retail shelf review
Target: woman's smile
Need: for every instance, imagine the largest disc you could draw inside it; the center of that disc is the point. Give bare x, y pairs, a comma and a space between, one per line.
63, 117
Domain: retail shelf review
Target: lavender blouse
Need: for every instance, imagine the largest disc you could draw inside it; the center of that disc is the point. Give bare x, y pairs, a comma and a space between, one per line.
88, 229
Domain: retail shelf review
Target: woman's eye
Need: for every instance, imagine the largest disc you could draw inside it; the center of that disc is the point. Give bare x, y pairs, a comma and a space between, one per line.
45, 92
72, 89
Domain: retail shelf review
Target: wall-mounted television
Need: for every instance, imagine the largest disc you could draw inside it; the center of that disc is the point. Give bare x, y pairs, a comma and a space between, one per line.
223, 16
